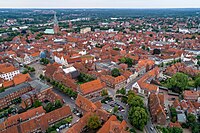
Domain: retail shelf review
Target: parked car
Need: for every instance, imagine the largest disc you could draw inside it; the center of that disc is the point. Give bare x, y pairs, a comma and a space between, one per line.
122, 110
62, 127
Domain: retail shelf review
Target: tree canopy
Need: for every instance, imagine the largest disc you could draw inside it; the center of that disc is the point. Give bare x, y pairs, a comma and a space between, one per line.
83, 78
178, 82
37, 103
172, 130
127, 61
135, 101
197, 82
195, 127
191, 118
137, 114
173, 114
115, 72
138, 117
156, 51
94, 122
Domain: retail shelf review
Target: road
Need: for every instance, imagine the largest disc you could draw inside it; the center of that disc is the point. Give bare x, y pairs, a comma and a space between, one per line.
149, 123
67, 99
129, 85
148, 126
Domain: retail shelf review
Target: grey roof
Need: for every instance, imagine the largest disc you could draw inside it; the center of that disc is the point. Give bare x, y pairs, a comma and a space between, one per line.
181, 118
25, 96
38, 85
106, 65
14, 89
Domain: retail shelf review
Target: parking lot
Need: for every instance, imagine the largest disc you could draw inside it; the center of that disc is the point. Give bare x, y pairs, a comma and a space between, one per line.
110, 104
74, 120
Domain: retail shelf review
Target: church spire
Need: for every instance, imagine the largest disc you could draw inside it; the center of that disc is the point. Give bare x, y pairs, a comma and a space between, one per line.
56, 26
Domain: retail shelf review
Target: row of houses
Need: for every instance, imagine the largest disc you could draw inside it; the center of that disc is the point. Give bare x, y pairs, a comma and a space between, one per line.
34, 120
28, 92
110, 122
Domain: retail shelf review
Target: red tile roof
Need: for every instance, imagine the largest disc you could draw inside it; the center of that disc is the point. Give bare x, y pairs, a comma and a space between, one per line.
85, 104
6, 68
113, 80
143, 81
21, 78
176, 124
113, 126
8, 83
91, 86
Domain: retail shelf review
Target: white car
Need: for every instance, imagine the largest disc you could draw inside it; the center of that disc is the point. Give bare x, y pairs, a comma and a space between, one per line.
77, 114
72, 98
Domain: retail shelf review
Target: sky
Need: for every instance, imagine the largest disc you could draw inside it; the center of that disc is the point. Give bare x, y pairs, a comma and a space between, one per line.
99, 3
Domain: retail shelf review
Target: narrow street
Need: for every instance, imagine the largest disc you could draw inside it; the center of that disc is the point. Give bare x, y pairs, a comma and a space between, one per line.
129, 85
67, 99
149, 127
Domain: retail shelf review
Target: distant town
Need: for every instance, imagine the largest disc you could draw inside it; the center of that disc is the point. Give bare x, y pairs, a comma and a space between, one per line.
100, 70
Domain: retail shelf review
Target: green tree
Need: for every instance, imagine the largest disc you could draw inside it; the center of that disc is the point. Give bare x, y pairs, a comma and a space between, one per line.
116, 48
37, 103
127, 61
191, 118
41, 77
58, 104
151, 35
195, 127
68, 120
115, 72
115, 109
131, 93
122, 60
104, 92
135, 101
178, 82
173, 114
138, 117
25, 71
83, 78
94, 122
122, 91
175, 130
32, 69
49, 107
197, 82
143, 47
198, 62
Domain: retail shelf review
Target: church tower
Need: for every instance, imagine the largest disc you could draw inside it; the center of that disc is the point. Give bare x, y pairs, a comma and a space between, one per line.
70, 24
56, 26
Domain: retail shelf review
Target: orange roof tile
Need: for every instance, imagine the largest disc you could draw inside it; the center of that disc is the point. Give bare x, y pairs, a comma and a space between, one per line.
21, 78
91, 86
6, 68
113, 126
7, 84
176, 124
85, 104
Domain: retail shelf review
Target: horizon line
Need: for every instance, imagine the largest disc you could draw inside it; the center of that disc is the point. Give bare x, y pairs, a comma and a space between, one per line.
99, 7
